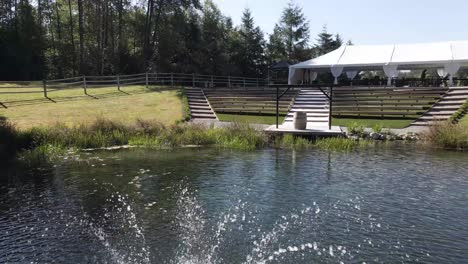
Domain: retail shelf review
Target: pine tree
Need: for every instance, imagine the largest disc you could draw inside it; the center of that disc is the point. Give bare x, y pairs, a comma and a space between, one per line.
249, 55
290, 37
327, 42
214, 38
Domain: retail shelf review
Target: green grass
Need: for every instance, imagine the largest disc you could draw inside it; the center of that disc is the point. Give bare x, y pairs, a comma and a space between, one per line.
346, 122
449, 136
372, 123
252, 119
464, 121
342, 144
460, 113
72, 108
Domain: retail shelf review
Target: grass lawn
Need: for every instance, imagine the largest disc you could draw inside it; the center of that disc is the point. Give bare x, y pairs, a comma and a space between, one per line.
72, 107
257, 119
385, 123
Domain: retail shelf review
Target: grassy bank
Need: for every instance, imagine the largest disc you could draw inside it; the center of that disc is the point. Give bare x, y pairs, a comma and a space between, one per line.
43, 143
464, 121
449, 136
72, 108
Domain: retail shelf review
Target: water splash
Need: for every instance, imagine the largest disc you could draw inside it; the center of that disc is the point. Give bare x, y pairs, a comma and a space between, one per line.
130, 247
201, 241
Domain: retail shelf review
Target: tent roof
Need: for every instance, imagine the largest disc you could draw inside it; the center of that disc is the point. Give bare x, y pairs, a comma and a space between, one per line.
406, 56
280, 65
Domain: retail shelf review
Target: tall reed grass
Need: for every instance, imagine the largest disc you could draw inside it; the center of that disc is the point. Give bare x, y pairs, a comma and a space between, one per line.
49, 142
448, 136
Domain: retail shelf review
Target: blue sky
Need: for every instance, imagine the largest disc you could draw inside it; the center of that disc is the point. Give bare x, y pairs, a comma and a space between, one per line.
366, 21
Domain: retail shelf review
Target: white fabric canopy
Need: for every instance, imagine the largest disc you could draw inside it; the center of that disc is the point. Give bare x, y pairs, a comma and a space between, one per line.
336, 72
391, 70
390, 58
313, 76
351, 75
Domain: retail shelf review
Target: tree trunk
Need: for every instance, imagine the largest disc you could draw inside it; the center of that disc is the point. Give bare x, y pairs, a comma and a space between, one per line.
146, 43
154, 46
120, 38
72, 38
81, 33
59, 36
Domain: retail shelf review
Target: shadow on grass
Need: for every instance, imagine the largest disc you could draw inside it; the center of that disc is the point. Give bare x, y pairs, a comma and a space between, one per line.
119, 93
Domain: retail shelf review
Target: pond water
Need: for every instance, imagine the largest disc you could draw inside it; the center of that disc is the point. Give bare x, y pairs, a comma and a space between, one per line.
397, 204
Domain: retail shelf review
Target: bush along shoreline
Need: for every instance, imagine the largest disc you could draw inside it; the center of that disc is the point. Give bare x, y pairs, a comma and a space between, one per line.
47, 143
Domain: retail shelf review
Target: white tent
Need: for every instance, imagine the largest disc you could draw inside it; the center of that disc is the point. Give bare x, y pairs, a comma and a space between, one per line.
446, 57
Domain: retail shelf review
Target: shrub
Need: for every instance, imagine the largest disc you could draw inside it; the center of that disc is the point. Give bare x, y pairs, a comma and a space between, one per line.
377, 128
355, 128
292, 142
449, 136
42, 154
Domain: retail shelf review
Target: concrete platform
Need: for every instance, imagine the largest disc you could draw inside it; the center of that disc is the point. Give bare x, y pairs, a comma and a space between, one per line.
320, 131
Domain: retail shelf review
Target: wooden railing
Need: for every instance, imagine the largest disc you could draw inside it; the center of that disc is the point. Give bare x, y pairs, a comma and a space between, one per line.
45, 87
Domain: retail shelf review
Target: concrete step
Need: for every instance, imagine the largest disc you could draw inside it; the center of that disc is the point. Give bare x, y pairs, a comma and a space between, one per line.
452, 102
311, 94
434, 117
445, 107
314, 103
200, 111
200, 107
200, 96
312, 99
311, 114
439, 112
310, 107
425, 123
454, 97
198, 104
309, 110
310, 117
198, 100
458, 92
192, 89
325, 123
210, 116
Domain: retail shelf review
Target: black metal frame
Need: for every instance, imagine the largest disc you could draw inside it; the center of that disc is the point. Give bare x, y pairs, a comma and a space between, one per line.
289, 87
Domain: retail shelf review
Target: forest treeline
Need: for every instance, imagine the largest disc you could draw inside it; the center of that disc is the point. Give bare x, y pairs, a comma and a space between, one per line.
63, 38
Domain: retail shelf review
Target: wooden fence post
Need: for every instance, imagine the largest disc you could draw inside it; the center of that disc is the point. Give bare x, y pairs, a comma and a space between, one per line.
146, 80
212, 84
244, 82
84, 85
193, 80
331, 108
118, 82
257, 82
229, 81
172, 80
44, 85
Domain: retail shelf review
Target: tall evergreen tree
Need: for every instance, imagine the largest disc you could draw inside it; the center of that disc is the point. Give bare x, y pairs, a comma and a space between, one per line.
290, 38
214, 38
249, 53
22, 45
326, 42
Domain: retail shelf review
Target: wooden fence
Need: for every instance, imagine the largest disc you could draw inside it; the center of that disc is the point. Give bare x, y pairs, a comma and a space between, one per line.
10, 92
